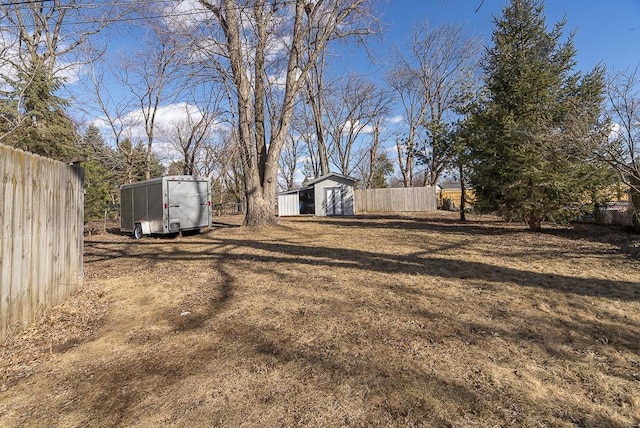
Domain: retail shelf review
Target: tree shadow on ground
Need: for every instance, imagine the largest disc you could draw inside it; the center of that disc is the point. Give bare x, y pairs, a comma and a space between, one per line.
269, 349
418, 263
495, 227
444, 225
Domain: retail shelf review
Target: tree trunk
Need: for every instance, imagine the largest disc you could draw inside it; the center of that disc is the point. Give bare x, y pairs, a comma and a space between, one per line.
535, 224
404, 168
260, 153
147, 160
323, 154
635, 202
463, 196
260, 202
259, 212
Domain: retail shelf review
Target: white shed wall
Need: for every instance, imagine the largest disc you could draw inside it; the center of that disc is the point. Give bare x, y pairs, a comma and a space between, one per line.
346, 187
288, 204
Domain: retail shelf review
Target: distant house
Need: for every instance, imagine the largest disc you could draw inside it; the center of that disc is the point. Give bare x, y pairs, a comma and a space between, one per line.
449, 194
331, 194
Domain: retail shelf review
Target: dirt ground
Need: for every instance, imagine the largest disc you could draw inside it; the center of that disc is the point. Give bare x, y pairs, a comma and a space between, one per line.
365, 321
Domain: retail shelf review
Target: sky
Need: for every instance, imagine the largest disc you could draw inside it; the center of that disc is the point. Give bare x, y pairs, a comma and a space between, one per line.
606, 31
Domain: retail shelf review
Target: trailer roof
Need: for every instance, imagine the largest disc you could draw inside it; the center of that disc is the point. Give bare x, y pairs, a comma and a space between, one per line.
165, 178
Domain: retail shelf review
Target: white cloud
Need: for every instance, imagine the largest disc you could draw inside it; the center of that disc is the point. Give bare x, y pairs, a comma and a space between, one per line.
278, 80
367, 129
395, 119
8, 50
357, 127
69, 72
185, 16
167, 119
276, 46
614, 133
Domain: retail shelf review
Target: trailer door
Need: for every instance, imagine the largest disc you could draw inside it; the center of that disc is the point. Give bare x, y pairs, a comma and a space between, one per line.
188, 204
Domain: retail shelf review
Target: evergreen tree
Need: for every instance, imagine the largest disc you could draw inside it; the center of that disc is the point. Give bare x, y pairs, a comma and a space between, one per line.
35, 119
383, 170
99, 175
527, 150
176, 168
134, 160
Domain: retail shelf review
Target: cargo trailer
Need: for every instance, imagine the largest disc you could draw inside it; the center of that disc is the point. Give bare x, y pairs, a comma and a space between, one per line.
165, 205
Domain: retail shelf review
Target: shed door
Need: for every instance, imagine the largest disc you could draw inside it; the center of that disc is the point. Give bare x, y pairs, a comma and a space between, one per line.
188, 204
334, 200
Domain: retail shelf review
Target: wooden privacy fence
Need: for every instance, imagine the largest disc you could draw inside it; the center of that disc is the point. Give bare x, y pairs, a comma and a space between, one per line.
41, 235
619, 215
391, 200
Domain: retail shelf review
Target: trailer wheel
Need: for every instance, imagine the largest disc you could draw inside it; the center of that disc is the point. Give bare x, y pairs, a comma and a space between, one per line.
137, 231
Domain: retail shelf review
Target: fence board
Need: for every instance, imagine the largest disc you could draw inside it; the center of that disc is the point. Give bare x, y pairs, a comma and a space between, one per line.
409, 199
41, 225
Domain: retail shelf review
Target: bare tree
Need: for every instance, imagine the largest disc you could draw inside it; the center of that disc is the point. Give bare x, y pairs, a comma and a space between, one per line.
189, 135
113, 115
245, 38
315, 93
623, 152
221, 162
369, 168
41, 46
351, 114
302, 126
40, 35
289, 160
429, 77
622, 149
148, 74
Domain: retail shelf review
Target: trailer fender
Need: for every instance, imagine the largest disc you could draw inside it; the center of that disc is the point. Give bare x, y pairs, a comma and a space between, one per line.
141, 227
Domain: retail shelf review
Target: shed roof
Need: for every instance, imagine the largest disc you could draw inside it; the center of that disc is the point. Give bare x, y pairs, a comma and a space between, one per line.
450, 185
317, 180
296, 190
329, 175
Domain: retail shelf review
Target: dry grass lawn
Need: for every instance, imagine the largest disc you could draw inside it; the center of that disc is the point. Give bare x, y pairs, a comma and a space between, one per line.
365, 321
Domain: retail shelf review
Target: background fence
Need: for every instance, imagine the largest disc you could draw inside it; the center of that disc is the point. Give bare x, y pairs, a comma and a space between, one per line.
41, 235
618, 214
231, 208
395, 199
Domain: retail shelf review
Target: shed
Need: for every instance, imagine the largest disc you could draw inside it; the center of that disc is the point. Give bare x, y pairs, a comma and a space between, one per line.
331, 194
